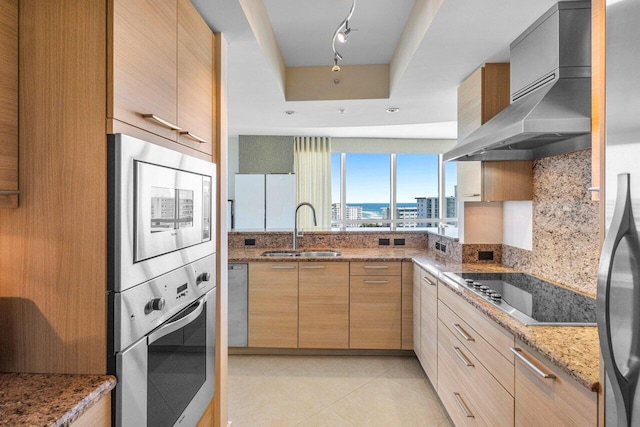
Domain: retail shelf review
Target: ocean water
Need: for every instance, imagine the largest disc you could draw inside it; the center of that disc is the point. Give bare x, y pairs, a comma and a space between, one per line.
374, 210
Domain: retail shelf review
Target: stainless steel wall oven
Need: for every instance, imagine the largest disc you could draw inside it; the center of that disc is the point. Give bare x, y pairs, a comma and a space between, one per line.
161, 286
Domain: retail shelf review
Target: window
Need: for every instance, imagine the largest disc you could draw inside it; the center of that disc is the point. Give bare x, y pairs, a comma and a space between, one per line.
392, 191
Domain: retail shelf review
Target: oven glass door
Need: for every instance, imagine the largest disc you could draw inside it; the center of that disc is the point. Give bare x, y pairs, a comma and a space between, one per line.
172, 210
177, 365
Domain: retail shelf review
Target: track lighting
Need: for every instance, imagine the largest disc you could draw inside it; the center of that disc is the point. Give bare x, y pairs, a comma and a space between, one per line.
341, 34
344, 35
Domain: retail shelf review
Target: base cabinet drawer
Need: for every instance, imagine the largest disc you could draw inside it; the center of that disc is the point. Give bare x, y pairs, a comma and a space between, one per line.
556, 400
456, 397
492, 402
375, 314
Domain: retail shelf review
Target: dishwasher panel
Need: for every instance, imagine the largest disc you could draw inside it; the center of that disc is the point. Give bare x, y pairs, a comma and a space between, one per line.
238, 305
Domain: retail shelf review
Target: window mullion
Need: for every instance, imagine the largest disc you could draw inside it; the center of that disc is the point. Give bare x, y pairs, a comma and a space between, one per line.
392, 181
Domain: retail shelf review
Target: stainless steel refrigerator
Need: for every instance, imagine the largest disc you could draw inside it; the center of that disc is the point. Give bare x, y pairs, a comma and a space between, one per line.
618, 298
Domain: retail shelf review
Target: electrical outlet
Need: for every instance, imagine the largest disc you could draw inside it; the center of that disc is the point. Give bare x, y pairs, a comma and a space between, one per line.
485, 255
438, 246
398, 242
384, 242
443, 247
249, 242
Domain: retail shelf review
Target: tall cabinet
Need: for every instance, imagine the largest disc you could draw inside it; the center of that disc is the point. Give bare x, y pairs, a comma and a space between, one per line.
9, 104
87, 68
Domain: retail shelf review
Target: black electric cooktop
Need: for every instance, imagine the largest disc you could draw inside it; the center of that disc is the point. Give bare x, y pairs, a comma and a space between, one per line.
530, 300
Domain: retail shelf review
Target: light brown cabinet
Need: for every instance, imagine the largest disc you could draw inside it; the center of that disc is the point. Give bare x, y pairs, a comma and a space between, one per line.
324, 305
428, 324
9, 104
545, 396
273, 304
161, 70
375, 305
407, 305
474, 356
99, 415
195, 79
416, 311
480, 97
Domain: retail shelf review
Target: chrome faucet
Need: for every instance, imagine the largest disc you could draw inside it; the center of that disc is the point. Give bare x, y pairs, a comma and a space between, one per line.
295, 227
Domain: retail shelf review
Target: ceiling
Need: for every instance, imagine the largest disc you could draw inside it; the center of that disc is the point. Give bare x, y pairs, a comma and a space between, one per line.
461, 36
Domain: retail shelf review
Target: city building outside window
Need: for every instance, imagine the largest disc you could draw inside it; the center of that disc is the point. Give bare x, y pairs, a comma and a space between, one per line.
392, 191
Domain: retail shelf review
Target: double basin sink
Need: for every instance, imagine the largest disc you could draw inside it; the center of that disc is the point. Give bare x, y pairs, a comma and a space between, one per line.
307, 254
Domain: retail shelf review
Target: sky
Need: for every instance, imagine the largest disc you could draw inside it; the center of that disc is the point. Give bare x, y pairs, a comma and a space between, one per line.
368, 177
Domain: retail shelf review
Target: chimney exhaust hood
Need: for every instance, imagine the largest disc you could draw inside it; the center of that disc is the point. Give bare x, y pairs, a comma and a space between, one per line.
550, 110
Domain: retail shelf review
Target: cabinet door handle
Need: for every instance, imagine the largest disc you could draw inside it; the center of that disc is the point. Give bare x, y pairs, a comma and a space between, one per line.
162, 121
376, 282
529, 364
194, 137
471, 195
463, 405
312, 267
283, 267
376, 267
8, 192
426, 279
462, 332
463, 357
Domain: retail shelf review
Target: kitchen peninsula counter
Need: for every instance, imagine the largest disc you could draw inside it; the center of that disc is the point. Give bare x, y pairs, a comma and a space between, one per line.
49, 399
574, 349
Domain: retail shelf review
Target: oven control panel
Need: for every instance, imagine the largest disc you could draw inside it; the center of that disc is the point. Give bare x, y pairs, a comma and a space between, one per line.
139, 310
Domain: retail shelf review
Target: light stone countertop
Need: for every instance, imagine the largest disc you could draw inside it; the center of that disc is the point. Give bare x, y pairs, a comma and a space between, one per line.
49, 399
574, 349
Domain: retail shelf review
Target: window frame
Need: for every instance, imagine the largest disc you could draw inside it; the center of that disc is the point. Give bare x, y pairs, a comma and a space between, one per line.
442, 220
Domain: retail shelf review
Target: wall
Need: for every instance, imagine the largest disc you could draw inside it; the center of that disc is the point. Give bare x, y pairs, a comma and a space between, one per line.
265, 154
233, 148
566, 241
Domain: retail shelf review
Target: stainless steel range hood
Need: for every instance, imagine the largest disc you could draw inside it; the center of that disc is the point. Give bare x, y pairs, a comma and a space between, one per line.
550, 110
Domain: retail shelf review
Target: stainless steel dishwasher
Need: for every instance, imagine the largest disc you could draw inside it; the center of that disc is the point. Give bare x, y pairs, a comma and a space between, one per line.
238, 304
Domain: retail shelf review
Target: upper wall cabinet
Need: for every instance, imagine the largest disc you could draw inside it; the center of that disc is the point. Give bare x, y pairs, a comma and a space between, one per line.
161, 67
195, 79
9, 104
480, 97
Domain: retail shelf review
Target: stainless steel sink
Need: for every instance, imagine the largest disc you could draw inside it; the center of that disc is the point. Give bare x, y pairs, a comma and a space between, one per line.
280, 253
307, 254
320, 253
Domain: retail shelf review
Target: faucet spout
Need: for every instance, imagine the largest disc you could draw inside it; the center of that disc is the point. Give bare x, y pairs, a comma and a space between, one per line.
295, 221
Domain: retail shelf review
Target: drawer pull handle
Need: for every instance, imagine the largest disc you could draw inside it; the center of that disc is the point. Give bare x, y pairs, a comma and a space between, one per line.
312, 267
376, 282
376, 267
462, 332
194, 137
463, 405
161, 121
529, 364
463, 357
283, 267
471, 195
426, 279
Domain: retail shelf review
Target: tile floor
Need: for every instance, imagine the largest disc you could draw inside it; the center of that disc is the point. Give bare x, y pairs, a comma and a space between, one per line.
335, 391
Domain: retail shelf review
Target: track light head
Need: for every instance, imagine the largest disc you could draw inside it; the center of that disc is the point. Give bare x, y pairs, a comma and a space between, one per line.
344, 35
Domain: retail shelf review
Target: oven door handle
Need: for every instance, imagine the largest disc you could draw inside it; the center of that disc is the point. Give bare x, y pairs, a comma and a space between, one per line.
177, 324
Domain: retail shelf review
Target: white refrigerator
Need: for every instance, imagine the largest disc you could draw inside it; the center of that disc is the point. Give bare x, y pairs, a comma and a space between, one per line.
265, 201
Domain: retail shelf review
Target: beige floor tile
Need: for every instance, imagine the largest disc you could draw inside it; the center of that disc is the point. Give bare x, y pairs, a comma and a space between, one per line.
260, 365
329, 378
447, 423
325, 418
383, 402
410, 374
262, 401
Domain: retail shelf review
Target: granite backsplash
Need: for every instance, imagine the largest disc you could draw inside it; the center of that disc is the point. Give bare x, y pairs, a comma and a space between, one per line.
566, 241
